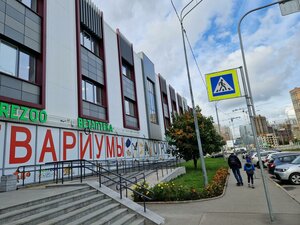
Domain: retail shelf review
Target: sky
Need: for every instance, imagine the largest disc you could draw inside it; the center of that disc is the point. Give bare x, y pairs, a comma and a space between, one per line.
271, 43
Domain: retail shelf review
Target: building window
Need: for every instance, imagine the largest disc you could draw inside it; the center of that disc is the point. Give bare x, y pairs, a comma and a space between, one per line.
165, 106
152, 102
30, 4
16, 62
89, 42
126, 71
92, 92
130, 108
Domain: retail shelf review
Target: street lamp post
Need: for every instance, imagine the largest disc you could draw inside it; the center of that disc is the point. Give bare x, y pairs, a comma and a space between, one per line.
250, 104
181, 18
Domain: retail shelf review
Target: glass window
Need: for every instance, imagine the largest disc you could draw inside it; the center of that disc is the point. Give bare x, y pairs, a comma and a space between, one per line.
89, 92
152, 102
126, 71
30, 4
83, 90
8, 59
89, 42
98, 95
92, 93
129, 108
16, 62
26, 67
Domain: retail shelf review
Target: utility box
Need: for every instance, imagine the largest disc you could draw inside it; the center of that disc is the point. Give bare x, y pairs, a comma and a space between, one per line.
8, 183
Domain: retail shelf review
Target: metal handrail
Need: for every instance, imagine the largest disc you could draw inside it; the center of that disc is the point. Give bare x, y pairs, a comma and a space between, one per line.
97, 168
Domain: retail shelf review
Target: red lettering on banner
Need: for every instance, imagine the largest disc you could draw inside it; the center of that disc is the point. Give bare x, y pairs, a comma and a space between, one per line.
50, 149
110, 151
99, 145
67, 146
83, 149
24, 144
120, 148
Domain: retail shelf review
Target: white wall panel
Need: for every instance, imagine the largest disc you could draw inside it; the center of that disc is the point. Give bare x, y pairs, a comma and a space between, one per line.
61, 67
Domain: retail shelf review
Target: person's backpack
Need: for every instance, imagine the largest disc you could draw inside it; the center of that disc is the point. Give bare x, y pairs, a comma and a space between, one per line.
233, 161
249, 168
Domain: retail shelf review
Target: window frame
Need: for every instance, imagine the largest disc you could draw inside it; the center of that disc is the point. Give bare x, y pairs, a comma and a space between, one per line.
152, 102
94, 46
94, 92
33, 4
17, 63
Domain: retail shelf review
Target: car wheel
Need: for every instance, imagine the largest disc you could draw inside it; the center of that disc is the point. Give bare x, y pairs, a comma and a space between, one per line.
257, 165
295, 178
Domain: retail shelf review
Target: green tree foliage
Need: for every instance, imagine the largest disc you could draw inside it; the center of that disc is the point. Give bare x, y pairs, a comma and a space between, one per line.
182, 134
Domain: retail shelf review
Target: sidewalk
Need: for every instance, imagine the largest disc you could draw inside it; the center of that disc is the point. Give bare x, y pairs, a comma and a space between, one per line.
239, 206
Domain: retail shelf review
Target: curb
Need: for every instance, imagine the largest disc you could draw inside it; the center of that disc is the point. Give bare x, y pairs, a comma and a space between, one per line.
279, 186
192, 201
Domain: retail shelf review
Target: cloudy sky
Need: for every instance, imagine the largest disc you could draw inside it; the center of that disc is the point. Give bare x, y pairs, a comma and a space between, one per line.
271, 42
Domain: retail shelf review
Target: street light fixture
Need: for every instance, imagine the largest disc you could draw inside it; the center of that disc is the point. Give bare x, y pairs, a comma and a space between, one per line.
183, 32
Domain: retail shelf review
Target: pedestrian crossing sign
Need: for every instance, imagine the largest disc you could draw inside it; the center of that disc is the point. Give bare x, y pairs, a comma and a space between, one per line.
223, 85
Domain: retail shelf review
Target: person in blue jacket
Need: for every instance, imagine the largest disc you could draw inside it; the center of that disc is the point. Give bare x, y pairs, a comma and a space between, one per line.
249, 168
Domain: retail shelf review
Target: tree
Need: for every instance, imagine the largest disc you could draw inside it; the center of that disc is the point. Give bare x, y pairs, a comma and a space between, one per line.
182, 134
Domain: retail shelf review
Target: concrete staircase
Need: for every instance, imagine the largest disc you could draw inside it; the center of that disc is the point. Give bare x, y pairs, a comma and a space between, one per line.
85, 205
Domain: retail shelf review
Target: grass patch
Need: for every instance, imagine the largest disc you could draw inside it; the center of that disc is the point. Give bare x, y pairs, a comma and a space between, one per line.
194, 178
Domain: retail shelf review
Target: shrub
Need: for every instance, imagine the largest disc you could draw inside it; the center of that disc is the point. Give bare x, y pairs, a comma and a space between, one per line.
143, 188
168, 191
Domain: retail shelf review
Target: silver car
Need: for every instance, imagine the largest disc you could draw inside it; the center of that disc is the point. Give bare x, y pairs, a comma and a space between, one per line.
290, 171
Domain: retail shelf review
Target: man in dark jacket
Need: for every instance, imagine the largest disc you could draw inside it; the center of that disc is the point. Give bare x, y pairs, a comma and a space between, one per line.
235, 165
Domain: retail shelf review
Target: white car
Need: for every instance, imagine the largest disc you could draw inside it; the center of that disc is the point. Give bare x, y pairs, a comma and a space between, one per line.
290, 171
263, 155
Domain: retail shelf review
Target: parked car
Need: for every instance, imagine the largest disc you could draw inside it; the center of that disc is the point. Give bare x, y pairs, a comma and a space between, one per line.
289, 172
263, 155
281, 158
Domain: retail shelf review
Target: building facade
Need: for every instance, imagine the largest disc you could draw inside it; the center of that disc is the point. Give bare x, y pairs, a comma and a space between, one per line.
71, 87
295, 96
261, 125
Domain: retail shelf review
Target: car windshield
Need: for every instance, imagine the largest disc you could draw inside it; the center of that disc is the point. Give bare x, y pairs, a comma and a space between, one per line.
296, 161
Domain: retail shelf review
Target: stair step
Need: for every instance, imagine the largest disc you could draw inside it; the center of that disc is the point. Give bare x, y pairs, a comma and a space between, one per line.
139, 221
52, 213
35, 209
42, 200
115, 215
104, 205
125, 219
96, 215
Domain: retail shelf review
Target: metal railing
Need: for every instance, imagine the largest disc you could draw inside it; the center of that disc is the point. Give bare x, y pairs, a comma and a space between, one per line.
111, 170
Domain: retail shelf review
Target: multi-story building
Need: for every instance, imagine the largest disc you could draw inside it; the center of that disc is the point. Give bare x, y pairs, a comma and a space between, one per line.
71, 87
246, 134
269, 140
226, 133
261, 125
295, 95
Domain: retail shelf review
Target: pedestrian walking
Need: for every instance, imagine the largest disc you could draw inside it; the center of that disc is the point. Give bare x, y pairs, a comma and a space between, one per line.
235, 165
249, 168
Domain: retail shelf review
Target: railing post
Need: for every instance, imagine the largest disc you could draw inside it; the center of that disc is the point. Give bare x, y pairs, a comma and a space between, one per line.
99, 173
120, 187
62, 172
40, 174
23, 176
84, 169
71, 170
117, 163
57, 173
80, 171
